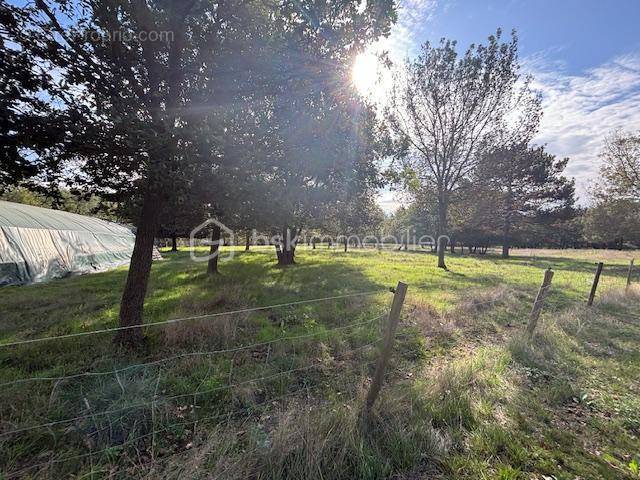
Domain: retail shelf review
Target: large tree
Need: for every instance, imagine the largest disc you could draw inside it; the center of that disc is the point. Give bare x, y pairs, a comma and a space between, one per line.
319, 129
445, 109
129, 72
528, 186
133, 78
614, 217
612, 222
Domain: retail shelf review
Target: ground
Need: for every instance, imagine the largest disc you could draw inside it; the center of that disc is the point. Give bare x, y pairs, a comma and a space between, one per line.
278, 393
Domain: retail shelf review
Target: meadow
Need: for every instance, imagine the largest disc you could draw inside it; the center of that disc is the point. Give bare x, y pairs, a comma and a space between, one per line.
278, 392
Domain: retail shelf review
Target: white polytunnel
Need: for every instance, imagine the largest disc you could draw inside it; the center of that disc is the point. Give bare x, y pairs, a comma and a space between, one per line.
38, 244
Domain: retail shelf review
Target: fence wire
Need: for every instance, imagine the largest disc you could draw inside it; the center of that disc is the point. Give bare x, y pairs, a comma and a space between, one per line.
191, 354
131, 441
168, 399
195, 317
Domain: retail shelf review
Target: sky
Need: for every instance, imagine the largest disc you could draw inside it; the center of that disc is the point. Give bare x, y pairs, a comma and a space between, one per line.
583, 54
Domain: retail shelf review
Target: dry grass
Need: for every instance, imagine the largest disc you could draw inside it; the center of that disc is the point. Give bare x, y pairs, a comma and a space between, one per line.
443, 325
221, 331
585, 254
214, 331
624, 297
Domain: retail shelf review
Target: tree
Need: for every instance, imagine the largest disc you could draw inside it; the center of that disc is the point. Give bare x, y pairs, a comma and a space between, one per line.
354, 218
614, 218
474, 219
134, 77
315, 121
352, 209
129, 72
529, 185
612, 222
324, 142
445, 109
63, 200
621, 165
32, 129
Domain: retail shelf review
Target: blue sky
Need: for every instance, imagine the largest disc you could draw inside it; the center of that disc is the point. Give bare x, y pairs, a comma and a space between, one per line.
584, 55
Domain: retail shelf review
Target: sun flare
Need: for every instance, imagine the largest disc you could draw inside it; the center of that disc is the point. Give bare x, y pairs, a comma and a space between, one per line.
364, 74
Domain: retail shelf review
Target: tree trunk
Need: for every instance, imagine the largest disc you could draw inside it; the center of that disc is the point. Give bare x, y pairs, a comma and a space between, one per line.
174, 243
286, 248
346, 244
135, 289
212, 264
314, 243
247, 243
506, 227
442, 229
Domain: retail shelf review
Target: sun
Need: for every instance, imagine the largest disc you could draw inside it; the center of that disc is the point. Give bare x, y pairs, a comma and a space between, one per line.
364, 74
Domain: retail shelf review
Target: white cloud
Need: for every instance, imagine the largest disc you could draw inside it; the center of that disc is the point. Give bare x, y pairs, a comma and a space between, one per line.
580, 110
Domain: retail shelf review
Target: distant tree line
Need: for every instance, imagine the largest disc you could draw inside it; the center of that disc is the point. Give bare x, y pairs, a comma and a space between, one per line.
520, 198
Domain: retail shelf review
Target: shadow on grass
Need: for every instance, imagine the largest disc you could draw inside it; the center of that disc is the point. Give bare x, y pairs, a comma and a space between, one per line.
178, 287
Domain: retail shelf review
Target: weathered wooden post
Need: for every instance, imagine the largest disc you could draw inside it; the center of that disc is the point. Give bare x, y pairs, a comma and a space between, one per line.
387, 347
539, 302
629, 275
594, 287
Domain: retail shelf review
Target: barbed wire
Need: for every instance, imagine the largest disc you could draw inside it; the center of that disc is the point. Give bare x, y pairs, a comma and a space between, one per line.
191, 354
195, 317
166, 400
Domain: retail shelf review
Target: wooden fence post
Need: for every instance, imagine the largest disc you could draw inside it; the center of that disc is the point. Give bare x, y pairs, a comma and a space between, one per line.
387, 347
594, 287
539, 302
629, 275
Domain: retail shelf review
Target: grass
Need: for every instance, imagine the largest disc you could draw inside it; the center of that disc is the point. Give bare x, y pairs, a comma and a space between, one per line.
466, 396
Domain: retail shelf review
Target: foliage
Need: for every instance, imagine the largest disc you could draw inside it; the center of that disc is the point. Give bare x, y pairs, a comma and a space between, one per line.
167, 104
62, 199
528, 187
613, 222
621, 168
445, 109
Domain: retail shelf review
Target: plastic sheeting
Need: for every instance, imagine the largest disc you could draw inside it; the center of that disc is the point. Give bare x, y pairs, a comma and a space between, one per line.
37, 244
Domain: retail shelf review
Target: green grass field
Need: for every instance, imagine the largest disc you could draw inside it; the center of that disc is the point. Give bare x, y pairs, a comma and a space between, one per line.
466, 396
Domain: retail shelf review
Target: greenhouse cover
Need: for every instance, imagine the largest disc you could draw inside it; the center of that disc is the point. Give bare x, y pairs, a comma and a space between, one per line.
38, 244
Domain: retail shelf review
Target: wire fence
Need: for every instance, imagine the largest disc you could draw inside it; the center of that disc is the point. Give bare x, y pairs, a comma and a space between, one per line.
183, 319
190, 354
105, 418
114, 414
